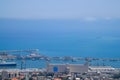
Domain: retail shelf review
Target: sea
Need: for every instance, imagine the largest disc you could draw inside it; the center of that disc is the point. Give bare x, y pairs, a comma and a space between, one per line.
72, 37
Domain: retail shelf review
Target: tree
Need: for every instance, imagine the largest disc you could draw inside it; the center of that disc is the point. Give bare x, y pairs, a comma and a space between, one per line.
116, 76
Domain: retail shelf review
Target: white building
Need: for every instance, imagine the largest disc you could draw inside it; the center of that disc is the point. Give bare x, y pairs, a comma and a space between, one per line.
71, 68
102, 69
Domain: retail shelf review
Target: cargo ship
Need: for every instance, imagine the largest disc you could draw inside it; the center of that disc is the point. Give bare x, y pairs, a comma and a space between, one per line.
7, 64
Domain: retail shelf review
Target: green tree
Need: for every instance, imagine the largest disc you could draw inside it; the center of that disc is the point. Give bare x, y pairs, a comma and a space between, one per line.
116, 76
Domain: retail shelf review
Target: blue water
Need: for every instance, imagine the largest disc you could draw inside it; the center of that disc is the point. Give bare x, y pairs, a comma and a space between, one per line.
62, 37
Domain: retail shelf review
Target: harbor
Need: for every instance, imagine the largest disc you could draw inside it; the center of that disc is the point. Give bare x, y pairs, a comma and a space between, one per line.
36, 66
39, 60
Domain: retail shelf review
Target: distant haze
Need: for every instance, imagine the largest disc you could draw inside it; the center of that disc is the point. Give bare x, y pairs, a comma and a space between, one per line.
59, 9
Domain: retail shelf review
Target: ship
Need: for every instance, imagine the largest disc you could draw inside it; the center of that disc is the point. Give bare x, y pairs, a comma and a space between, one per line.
7, 64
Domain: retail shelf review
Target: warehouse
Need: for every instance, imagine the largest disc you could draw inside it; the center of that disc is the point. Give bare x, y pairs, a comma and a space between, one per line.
70, 68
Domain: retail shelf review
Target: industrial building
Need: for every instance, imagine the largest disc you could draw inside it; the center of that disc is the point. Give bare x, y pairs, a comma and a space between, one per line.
69, 68
102, 69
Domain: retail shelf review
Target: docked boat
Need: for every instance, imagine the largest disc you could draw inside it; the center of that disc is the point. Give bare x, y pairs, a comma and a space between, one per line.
7, 64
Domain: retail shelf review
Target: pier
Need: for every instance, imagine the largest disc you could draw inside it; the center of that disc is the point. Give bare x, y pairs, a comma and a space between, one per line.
34, 54
2, 52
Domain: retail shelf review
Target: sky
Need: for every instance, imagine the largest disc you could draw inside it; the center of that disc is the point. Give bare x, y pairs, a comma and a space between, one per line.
60, 9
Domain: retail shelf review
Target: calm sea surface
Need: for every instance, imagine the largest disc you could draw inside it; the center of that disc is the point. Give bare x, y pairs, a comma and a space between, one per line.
62, 38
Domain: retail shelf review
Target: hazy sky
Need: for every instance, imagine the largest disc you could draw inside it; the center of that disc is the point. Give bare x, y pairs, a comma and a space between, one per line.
60, 9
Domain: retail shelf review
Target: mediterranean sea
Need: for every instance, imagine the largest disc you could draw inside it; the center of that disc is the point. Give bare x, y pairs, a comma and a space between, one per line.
62, 37
76, 38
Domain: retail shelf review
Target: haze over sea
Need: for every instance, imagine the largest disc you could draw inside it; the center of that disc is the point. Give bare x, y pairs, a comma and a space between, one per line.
63, 37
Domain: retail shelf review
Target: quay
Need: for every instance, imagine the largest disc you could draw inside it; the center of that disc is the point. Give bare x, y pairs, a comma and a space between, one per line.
16, 51
35, 55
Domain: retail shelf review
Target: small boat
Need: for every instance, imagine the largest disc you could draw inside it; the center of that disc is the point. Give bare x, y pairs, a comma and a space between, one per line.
7, 64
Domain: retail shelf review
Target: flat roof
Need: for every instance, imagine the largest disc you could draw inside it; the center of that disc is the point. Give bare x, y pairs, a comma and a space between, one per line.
67, 64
